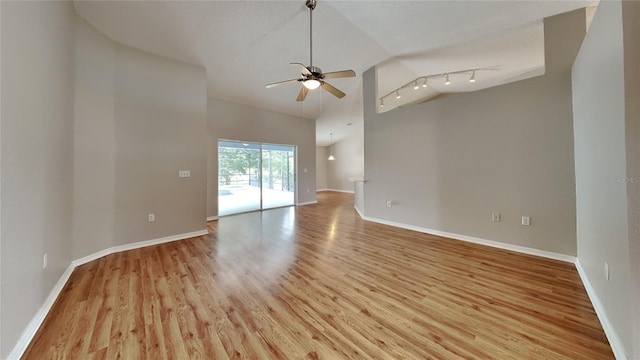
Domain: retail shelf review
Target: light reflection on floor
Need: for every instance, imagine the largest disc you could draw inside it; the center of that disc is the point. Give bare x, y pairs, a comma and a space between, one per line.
259, 244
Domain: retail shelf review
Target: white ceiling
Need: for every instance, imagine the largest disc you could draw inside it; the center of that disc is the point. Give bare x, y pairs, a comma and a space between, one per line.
247, 44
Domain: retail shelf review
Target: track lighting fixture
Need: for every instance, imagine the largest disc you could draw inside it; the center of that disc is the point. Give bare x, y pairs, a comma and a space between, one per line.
425, 82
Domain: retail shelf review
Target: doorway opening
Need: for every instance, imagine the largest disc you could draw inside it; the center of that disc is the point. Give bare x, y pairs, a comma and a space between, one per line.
255, 176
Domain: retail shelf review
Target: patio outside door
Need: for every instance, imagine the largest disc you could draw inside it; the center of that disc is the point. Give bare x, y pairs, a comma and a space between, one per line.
253, 176
278, 176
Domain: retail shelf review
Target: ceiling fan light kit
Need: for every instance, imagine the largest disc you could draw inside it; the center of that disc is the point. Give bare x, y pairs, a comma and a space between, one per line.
312, 77
311, 84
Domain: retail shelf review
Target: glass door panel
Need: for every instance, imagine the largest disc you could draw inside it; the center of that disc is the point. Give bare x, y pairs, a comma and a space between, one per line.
238, 177
278, 176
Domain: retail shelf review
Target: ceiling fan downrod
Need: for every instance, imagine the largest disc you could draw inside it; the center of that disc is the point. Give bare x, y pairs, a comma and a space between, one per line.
311, 4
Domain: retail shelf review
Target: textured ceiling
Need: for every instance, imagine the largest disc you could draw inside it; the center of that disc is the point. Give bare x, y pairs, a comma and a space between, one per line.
247, 44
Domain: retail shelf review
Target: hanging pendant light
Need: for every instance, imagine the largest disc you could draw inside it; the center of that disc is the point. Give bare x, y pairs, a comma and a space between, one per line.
331, 157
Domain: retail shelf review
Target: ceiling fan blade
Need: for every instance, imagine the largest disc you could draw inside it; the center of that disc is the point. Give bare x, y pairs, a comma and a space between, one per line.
269, 86
303, 69
337, 93
339, 74
302, 94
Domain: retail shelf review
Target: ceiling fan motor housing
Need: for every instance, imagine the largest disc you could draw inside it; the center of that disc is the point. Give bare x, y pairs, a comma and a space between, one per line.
316, 72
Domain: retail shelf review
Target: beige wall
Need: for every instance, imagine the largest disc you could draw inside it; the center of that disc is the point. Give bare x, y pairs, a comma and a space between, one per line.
349, 163
447, 164
631, 34
160, 111
606, 178
140, 118
321, 167
37, 157
231, 121
93, 136
94, 141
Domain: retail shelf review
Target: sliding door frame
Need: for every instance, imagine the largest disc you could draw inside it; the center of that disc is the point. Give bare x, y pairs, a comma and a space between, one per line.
260, 172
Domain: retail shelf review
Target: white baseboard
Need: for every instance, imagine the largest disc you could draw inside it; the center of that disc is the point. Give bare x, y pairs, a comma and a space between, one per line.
342, 191
609, 330
475, 240
136, 245
612, 336
33, 326
212, 218
307, 203
319, 190
358, 211
31, 329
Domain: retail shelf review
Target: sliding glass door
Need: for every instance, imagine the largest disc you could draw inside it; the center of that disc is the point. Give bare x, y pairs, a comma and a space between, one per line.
253, 176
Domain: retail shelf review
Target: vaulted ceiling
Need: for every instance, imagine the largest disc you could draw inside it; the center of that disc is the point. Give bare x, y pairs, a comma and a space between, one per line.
247, 44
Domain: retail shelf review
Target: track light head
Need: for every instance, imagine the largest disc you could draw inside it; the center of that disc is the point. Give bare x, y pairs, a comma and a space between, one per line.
424, 84
398, 95
446, 79
472, 79
415, 85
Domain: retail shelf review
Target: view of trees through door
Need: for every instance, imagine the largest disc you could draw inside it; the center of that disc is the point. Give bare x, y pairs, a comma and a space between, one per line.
253, 176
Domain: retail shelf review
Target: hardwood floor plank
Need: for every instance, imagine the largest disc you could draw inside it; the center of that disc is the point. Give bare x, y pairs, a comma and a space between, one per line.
317, 282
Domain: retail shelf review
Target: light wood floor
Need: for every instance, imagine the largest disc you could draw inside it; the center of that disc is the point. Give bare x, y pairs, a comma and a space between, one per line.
317, 282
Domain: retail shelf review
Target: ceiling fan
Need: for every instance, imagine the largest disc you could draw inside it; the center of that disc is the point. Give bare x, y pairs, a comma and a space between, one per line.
312, 77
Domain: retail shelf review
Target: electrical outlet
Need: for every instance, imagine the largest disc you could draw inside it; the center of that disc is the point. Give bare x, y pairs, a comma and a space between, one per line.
526, 221
388, 203
184, 173
606, 271
496, 217
44, 261
152, 217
